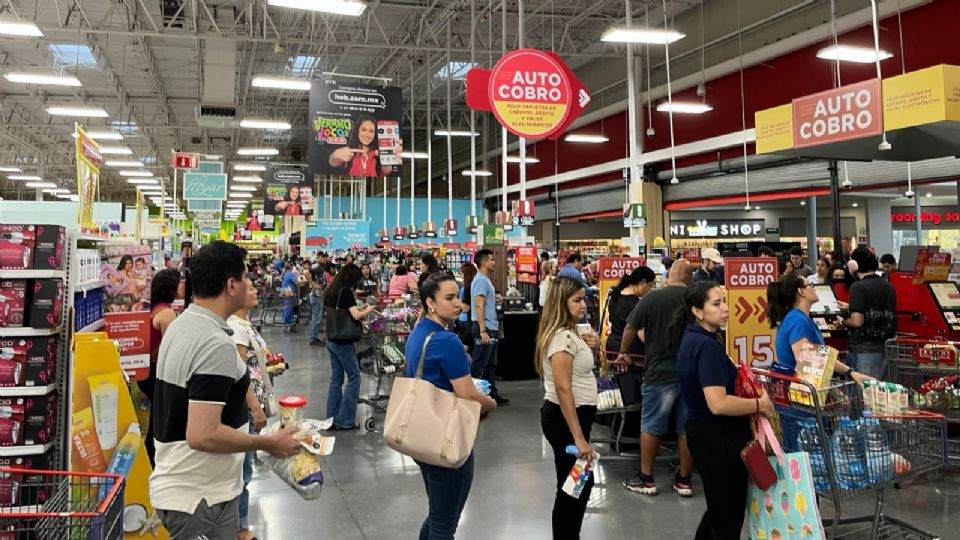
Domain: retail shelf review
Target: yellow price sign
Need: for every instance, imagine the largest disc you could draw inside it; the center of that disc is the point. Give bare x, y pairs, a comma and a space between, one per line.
749, 336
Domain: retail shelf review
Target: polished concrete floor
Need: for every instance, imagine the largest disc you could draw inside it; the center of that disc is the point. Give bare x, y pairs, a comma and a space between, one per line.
372, 492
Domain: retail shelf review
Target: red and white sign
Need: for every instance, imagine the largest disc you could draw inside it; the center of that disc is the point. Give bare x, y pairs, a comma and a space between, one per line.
185, 160
450, 226
749, 336
925, 217
131, 331
614, 268
532, 93
849, 112
399, 233
527, 264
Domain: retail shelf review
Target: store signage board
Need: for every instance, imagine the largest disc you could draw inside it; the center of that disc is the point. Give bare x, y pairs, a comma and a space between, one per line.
532, 93
492, 235
527, 264
89, 161
523, 213
749, 336
921, 97
205, 186
194, 205
774, 129
131, 332
725, 228
334, 234
935, 218
635, 215
931, 266
841, 114
610, 270
450, 226
185, 160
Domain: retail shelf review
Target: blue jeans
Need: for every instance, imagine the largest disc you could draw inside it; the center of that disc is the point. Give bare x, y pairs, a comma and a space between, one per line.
244, 503
447, 491
316, 315
868, 363
342, 403
484, 365
288, 303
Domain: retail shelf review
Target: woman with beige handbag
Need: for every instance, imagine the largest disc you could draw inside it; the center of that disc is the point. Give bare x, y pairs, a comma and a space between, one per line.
433, 414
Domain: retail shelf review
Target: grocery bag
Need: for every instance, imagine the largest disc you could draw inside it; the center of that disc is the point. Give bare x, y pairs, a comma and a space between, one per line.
788, 509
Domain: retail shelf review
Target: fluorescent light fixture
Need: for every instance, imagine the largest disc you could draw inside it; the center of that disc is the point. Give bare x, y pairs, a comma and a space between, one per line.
855, 205
684, 107
414, 155
145, 174
18, 28
240, 195
143, 181
152, 190
43, 78
249, 167
40, 185
212, 157
929, 194
336, 7
248, 179
257, 151
243, 188
11, 169
65, 196
653, 36
478, 172
27, 177
281, 83
118, 150
55, 191
74, 198
848, 53
88, 112
586, 138
105, 135
236, 204
516, 159
124, 164
264, 124
455, 133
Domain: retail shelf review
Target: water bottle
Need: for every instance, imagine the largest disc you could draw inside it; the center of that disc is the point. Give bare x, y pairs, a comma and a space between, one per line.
849, 455
879, 462
808, 440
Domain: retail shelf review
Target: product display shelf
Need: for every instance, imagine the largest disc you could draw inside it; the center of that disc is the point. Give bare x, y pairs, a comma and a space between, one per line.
20, 391
93, 327
26, 449
90, 285
26, 331
32, 274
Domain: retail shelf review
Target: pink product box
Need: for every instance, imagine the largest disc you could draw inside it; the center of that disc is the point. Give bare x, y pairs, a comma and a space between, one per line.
28, 361
27, 420
17, 244
23, 489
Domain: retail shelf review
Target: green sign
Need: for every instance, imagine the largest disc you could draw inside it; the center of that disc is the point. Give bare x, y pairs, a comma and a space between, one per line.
205, 186
195, 205
492, 235
210, 167
635, 215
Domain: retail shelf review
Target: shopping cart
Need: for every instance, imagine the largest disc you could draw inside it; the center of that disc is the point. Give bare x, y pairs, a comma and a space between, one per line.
380, 353
620, 378
62, 505
915, 446
929, 367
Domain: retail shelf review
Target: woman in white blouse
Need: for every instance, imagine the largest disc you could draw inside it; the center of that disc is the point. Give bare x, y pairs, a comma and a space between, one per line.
549, 272
565, 359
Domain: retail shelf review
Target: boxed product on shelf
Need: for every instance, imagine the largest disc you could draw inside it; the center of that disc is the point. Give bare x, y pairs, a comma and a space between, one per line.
13, 294
49, 247
30, 360
28, 420
16, 246
24, 489
46, 303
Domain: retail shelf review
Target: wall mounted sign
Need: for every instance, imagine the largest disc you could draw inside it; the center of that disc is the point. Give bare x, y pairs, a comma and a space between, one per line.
635, 215
532, 93
205, 186
185, 160
720, 228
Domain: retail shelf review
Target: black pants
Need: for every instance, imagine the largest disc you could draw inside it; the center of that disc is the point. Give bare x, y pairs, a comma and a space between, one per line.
715, 445
567, 511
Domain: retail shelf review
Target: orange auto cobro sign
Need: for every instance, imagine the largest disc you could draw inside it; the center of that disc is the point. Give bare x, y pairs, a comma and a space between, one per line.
532, 93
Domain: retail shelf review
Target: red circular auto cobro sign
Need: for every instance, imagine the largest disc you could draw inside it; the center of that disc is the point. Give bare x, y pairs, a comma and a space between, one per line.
531, 93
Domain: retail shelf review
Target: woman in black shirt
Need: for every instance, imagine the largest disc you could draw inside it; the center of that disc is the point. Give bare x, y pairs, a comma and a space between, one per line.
621, 301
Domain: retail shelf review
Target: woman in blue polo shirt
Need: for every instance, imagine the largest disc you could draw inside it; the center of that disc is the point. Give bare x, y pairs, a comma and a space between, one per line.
447, 367
718, 425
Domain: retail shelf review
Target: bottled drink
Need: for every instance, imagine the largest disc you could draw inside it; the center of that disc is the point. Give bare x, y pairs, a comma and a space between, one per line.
849, 455
808, 440
879, 462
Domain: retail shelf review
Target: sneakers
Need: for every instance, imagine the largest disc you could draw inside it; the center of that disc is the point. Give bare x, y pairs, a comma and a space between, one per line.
641, 484
501, 401
682, 486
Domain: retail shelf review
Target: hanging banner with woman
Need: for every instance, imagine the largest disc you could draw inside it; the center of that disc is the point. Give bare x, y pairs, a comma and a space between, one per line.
288, 192
355, 129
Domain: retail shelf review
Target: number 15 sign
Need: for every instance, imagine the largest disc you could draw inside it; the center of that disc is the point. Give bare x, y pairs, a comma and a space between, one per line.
749, 336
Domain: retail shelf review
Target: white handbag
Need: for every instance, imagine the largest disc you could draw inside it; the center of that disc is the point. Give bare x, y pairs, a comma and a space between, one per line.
430, 424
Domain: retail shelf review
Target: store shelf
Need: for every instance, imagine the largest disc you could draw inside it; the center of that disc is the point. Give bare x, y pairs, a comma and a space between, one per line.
92, 327
91, 238
17, 391
31, 274
87, 286
26, 331
25, 450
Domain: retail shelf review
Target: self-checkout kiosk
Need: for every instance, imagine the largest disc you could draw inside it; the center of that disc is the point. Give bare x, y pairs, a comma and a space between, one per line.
928, 305
826, 314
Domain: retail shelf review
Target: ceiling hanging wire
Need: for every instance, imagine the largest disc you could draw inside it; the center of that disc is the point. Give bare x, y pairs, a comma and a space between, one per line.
413, 153
473, 118
650, 131
673, 155
838, 80
449, 130
903, 70
503, 130
429, 80
743, 110
702, 87
875, 12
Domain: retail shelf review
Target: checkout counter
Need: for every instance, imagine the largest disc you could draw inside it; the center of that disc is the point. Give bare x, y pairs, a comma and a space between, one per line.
927, 310
826, 314
518, 340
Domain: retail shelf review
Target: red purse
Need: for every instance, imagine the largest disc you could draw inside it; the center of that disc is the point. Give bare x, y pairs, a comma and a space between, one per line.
754, 455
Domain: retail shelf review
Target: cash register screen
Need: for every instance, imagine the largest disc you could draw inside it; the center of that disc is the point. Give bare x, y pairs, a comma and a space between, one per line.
947, 295
827, 302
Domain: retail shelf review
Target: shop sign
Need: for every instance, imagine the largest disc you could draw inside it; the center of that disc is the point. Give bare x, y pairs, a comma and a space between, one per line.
849, 112
492, 235
610, 270
185, 160
749, 336
931, 266
532, 93
527, 264
450, 225
634, 215
523, 213
473, 224
205, 186
429, 229
935, 218
399, 233
727, 228
131, 332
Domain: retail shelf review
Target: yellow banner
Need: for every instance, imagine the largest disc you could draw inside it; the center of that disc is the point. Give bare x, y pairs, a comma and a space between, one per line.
921, 97
774, 129
750, 339
88, 177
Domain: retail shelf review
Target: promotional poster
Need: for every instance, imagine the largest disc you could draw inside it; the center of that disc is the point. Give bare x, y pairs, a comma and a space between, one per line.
288, 191
355, 129
126, 273
257, 219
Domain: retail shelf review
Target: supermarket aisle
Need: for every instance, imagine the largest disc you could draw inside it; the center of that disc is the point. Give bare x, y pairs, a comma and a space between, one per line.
373, 492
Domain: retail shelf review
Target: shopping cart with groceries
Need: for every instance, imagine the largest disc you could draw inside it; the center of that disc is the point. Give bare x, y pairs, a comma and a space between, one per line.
57, 505
856, 447
619, 377
380, 353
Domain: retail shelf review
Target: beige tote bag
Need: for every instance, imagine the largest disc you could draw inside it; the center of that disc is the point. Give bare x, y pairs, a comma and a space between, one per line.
430, 424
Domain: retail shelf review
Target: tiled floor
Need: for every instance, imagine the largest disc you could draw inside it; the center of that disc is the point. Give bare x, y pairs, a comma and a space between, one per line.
371, 492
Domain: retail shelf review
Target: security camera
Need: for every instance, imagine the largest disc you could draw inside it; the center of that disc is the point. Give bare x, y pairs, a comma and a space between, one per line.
701, 90
847, 184
909, 194
651, 132
747, 208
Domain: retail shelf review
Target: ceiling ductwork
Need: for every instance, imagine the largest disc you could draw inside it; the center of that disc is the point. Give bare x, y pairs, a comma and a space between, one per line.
218, 104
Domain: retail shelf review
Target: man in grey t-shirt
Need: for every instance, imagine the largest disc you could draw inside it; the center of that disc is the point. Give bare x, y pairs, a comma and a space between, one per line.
649, 321
797, 266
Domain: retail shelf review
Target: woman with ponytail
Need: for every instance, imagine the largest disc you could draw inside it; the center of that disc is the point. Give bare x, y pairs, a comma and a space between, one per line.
621, 300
